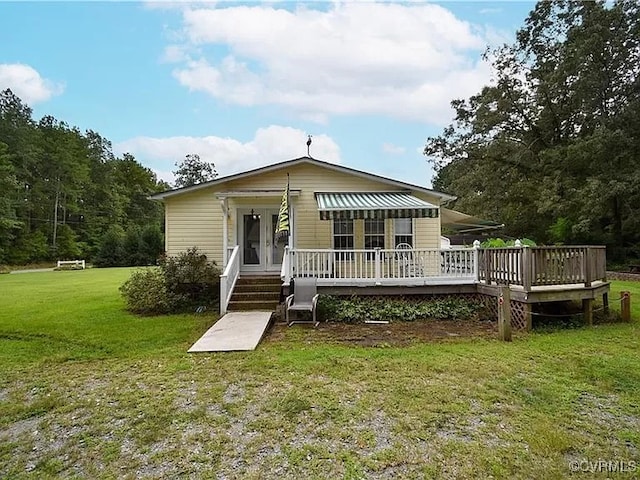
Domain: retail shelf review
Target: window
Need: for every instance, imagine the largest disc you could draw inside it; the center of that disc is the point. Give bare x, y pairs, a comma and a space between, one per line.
373, 233
403, 229
343, 234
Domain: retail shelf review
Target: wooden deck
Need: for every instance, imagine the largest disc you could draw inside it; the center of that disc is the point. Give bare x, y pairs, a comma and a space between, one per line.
532, 274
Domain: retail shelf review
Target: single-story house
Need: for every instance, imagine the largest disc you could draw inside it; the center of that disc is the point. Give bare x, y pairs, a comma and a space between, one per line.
352, 229
331, 207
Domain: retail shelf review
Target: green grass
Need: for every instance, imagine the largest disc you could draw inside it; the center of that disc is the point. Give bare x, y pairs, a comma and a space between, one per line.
90, 391
79, 315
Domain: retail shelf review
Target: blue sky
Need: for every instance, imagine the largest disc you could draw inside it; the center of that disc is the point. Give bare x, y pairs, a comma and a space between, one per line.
243, 84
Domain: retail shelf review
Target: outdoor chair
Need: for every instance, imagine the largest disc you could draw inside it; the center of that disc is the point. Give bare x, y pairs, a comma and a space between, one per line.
303, 299
409, 264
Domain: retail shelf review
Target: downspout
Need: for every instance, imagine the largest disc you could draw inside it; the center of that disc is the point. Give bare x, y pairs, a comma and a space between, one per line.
224, 204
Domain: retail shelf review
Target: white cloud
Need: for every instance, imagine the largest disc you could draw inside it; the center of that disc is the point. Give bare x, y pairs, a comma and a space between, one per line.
27, 83
269, 145
402, 60
392, 149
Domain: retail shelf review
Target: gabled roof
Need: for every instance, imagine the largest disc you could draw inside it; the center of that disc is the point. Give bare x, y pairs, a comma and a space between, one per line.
299, 161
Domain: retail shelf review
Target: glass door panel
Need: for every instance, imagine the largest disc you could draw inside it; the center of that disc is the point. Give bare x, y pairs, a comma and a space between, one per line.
251, 241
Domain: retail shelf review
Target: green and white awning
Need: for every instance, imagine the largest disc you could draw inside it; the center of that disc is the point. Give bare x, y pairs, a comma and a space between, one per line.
373, 205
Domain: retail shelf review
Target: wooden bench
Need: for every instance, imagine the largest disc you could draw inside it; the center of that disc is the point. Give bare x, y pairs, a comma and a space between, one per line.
74, 263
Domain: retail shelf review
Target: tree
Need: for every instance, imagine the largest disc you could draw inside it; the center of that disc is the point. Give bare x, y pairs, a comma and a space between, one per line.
61, 190
9, 222
192, 171
550, 147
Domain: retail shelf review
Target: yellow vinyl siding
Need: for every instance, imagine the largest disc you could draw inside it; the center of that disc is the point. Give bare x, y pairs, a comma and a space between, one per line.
310, 231
196, 218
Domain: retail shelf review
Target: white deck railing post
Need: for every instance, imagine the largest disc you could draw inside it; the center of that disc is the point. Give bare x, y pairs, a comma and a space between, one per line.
377, 267
476, 259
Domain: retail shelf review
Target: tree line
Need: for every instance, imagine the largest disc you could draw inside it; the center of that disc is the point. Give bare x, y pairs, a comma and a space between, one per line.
551, 148
64, 194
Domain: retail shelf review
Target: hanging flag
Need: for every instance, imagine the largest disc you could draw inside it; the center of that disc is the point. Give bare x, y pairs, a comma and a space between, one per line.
284, 225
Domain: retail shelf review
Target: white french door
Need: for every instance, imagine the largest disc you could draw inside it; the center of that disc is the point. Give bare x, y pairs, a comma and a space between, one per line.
258, 248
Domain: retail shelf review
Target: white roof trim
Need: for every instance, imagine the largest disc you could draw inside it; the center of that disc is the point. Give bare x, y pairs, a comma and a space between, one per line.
257, 193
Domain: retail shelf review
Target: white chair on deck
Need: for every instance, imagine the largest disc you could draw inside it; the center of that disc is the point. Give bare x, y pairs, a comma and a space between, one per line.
303, 299
410, 266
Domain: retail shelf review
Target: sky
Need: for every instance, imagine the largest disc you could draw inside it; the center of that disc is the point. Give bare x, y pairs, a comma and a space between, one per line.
242, 84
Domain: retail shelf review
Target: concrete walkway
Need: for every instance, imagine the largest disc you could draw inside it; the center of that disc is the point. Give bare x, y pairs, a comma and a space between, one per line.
234, 331
33, 270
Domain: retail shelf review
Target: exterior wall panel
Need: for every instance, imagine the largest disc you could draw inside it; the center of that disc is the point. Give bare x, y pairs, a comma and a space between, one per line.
196, 218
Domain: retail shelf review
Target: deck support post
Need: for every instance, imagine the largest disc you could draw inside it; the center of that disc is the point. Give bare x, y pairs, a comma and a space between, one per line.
605, 302
625, 306
504, 314
587, 310
528, 322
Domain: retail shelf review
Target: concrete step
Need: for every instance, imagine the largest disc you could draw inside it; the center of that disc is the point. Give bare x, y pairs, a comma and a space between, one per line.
261, 296
248, 305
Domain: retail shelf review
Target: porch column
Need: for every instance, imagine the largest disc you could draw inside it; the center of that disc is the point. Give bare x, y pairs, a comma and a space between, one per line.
224, 204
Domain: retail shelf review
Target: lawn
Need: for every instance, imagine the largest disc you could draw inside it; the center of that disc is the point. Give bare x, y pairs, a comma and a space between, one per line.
90, 391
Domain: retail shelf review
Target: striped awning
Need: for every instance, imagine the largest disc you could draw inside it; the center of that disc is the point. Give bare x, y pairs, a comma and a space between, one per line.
373, 205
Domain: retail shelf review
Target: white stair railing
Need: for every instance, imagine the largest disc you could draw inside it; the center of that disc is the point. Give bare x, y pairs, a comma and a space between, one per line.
228, 279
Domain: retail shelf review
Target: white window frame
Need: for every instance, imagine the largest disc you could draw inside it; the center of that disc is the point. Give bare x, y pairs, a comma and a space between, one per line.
412, 234
382, 234
334, 234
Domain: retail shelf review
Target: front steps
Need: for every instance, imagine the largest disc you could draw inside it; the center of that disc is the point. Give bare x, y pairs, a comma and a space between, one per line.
255, 293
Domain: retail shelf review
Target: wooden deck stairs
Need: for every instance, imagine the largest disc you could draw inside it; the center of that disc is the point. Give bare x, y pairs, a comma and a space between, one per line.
255, 293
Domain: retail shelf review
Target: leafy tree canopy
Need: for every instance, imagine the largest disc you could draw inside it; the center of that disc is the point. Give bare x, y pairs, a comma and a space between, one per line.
62, 189
192, 170
551, 148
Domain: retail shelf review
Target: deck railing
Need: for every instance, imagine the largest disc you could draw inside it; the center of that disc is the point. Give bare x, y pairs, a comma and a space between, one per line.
379, 267
524, 266
228, 279
542, 266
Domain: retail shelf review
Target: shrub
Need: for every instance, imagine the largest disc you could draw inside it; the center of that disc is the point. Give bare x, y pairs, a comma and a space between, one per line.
358, 309
146, 292
111, 250
191, 276
66, 245
499, 243
178, 284
152, 243
131, 246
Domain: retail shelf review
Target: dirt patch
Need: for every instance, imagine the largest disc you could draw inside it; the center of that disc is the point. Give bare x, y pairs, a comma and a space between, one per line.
391, 334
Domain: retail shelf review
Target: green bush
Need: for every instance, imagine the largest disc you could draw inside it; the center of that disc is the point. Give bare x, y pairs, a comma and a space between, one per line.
181, 283
66, 245
111, 251
135, 247
499, 243
191, 276
146, 292
359, 309
152, 243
